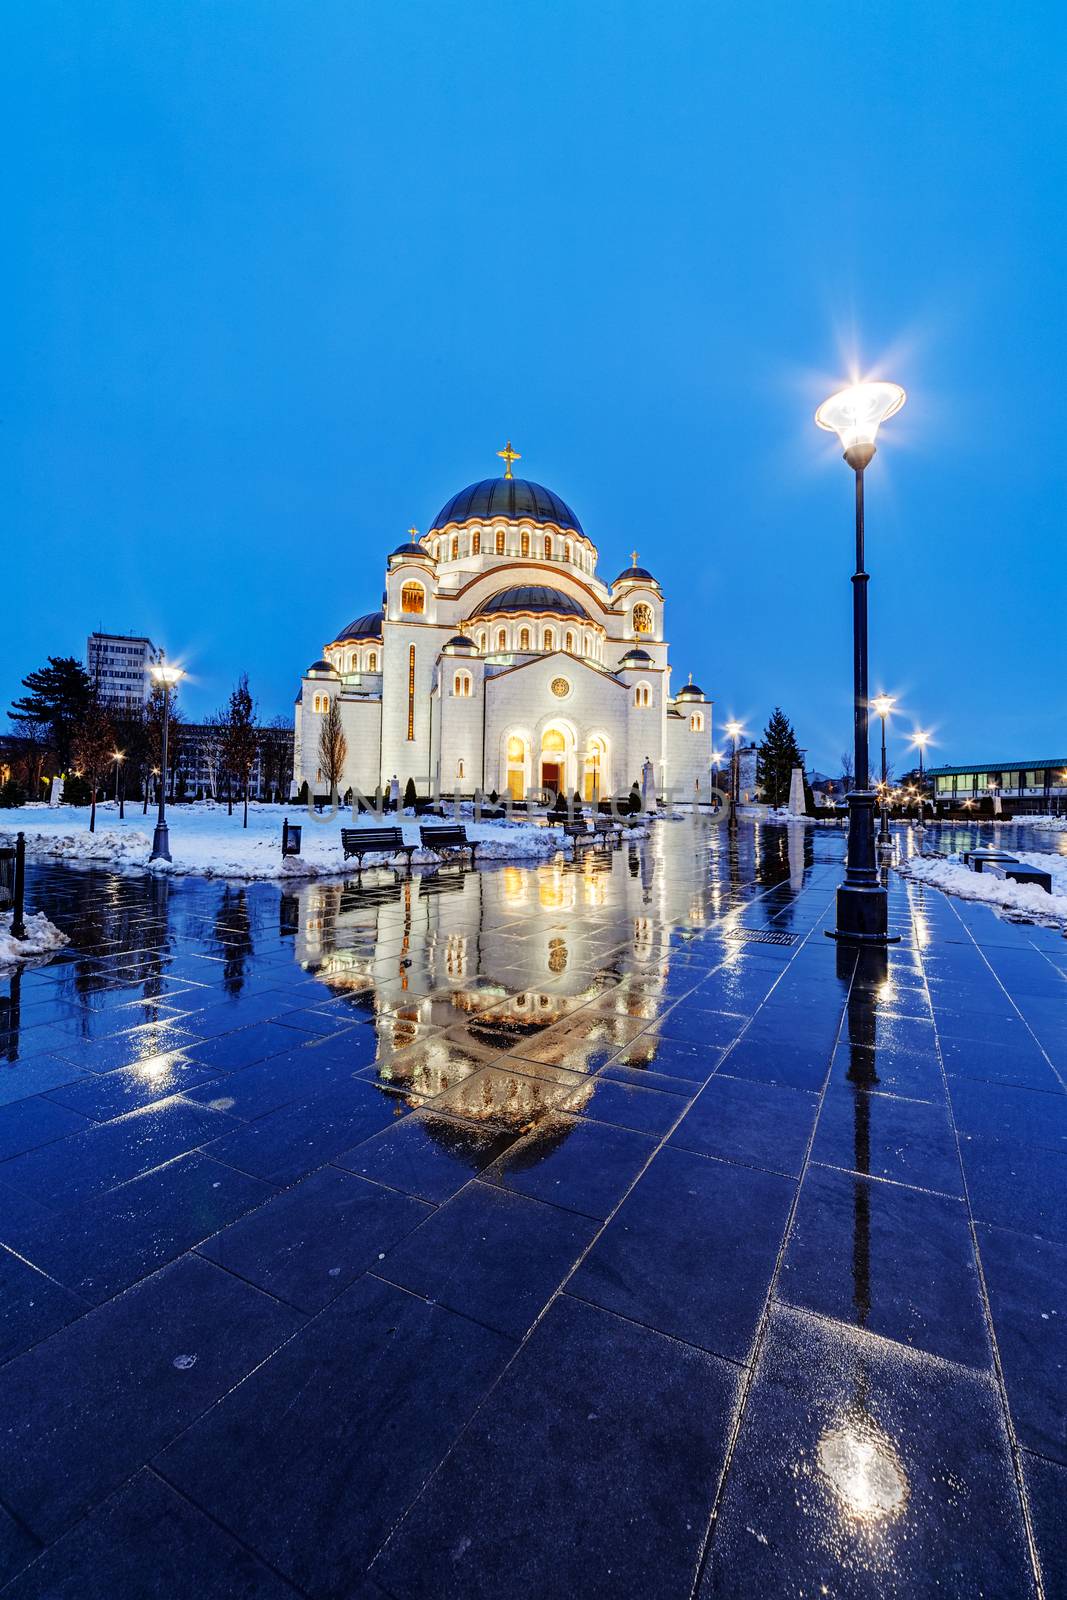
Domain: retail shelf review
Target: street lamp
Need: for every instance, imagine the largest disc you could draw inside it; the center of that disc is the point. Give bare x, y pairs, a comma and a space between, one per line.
118, 756
855, 415
166, 676
882, 705
921, 739
735, 730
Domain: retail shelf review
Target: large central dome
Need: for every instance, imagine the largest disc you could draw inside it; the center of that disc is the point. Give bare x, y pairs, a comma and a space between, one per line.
512, 498
531, 597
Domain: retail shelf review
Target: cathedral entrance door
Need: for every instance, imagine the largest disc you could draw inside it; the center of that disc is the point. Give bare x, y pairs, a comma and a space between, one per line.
551, 776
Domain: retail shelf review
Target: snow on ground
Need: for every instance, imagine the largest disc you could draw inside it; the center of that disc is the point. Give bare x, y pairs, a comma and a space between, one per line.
206, 841
1017, 899
42, 938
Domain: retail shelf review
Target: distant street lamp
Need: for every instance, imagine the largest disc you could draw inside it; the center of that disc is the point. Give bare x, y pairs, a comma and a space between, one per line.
120, 787
855, 415
735, 730
168, 677
883, 704
921, 739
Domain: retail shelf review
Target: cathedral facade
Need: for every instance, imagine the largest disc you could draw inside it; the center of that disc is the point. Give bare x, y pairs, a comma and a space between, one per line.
499, 660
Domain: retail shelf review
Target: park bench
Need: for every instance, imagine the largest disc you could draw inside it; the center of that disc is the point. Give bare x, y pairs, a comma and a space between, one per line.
977, 859
448, 841
1021, 874
360, 842
578, 834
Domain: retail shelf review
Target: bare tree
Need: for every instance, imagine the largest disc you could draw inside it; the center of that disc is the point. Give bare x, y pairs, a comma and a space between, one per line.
333, 747
92, 751
241, 739
275, 755
211, 751
848, 771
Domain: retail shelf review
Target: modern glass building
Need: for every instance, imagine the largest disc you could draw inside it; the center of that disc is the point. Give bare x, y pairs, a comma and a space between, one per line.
1038, 785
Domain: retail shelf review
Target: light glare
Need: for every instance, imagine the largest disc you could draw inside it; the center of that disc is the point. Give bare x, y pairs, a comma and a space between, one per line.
856, 414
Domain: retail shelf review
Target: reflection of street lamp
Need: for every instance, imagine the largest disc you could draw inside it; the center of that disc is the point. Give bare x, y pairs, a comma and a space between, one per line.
735, 730
120, 788
862, 902
883, 704
168, 677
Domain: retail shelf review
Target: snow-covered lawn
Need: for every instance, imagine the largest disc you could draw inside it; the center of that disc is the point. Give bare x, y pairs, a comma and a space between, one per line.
1018, 899
205, 841
42, 938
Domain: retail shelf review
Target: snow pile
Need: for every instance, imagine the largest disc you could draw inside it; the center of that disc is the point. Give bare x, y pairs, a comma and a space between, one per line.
1045, 824
1019, 900
42, 938
206, 841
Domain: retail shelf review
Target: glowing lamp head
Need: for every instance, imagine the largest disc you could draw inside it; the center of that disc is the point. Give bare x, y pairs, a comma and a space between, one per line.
166, 674
921, 738
733, 729
856, 414
882, 705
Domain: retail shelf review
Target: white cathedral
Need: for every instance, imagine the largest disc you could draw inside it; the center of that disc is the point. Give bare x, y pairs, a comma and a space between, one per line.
501, 661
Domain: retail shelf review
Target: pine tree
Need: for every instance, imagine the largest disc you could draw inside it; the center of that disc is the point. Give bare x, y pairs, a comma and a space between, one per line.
776, 757
60, 696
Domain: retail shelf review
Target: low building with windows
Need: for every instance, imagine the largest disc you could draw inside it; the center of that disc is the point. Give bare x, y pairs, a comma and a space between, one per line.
1035, 786
500, 660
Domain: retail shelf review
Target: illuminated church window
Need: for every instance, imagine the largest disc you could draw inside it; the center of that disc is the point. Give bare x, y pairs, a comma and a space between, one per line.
413, 599
642, 618
462, 684
642, 695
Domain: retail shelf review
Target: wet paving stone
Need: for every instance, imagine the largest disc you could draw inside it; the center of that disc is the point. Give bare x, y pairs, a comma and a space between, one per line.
887, 1136
86, 1408
581, 1165
385, 1383
1012, 1185
691, 1251
1046, 1492
20, 1079
102, 1097
896, 1261
865, 1470
99, 1247
427, 1155
614, 1433
1003, 1112
756, 1124
311, 1242
1027, 1283
33, 1123
136, 1543
916, 1077
31, 1305
289, 1143
491, 1255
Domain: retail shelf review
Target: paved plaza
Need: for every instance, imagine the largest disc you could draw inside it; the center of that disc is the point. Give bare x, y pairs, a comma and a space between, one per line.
591, 1229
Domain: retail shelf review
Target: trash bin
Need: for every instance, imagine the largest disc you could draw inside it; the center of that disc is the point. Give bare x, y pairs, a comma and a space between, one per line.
291, 838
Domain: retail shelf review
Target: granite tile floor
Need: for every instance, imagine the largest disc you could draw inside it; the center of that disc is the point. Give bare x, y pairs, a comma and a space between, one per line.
591, 1228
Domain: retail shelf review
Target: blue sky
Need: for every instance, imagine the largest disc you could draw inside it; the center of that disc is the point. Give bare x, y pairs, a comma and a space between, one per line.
280, 278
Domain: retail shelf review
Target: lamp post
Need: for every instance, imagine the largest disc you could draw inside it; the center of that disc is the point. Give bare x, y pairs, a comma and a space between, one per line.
120, 787
883, 704
921, 739
167, 677
735, 730
855, 415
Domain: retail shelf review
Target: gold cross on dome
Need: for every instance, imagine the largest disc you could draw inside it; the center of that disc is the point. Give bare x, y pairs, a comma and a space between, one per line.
633, 558
413, 535
509, 455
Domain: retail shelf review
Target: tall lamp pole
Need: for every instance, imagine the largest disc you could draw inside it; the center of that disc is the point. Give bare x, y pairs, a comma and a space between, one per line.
883, 705
120, 787
167, 676
921, 739
734, 729
855, 415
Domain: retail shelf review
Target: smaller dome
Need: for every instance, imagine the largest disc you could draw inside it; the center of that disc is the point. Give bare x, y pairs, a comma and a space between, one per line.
411, 550
368, 626
691, 691
322, 666
636, 658
459, 641
635, 575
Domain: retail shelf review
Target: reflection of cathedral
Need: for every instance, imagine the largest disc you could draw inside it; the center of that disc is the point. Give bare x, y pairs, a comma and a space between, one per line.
501, 660
458, 971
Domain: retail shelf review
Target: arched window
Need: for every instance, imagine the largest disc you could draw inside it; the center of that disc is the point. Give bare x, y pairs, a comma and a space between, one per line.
455, 547
500, 541
462, 684
550, 639
594, 769
586, 645
476, 542
524, 639
568, 643
696, 722
524, 542
460, 769
372, 661
482, 640
642, 695
413, 599
516, 775
548, 547
501, 639
642, 617
353, 662
568, 553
